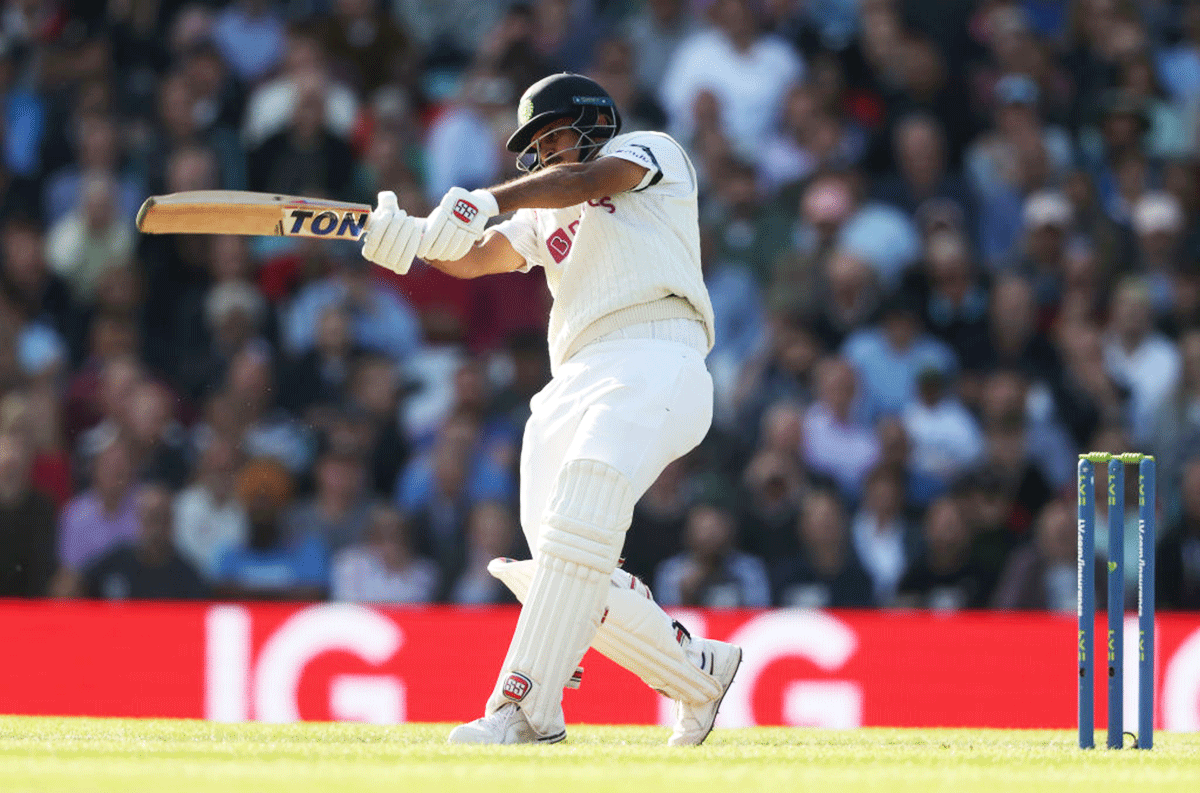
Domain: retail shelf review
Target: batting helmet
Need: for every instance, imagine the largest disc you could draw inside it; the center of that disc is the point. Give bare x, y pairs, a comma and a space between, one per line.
570, 96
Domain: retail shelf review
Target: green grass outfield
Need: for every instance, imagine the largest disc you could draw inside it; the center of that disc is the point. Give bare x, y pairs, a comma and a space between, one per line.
79, 755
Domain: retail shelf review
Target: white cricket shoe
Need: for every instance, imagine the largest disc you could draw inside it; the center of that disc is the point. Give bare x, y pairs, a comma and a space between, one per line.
506, 725
693, 723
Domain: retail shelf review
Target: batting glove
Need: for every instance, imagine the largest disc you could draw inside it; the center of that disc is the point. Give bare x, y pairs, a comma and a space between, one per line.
391, 236
457, 224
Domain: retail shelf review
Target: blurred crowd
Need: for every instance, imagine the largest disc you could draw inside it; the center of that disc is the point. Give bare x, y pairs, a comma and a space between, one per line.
950, 244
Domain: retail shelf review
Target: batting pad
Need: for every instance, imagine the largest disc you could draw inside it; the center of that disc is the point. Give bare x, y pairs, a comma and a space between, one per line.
577, 551
635, 633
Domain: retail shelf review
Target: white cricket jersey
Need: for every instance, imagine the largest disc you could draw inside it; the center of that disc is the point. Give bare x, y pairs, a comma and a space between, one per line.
623, 259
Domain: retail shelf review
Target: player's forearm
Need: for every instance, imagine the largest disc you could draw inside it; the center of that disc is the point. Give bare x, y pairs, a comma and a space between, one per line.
490, 255
553, 188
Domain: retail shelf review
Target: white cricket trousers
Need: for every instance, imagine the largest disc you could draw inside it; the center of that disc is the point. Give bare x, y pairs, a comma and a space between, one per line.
635, 404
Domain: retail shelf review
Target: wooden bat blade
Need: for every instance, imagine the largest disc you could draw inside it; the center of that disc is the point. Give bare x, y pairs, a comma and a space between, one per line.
253, 214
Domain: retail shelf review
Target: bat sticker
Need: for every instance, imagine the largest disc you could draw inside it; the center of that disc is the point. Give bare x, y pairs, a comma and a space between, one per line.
330, 223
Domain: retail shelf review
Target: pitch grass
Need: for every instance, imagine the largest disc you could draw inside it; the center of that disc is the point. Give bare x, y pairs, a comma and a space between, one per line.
82, 755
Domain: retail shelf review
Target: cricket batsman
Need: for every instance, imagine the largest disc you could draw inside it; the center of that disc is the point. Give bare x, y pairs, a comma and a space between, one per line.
612, 219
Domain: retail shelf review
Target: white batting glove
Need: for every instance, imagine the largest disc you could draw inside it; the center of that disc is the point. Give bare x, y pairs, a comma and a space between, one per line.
457, 224
391, 236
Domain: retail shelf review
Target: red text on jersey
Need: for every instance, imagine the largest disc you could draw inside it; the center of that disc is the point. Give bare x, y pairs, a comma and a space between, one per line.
560, 241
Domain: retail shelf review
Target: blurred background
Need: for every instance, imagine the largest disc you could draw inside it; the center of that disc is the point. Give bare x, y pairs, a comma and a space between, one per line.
950, 244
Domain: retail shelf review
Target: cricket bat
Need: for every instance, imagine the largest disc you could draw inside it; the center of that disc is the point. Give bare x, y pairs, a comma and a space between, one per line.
253, 214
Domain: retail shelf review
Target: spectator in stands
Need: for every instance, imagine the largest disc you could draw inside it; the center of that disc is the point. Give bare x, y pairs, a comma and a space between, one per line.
267, 566
148, 567
888, 358
466, 124
783, 371
774, 482
826, 573
250, 36
733, 216
1139, 358
321, 375
367, 47
1167, 134
219, 97
895, 453
101, 391
176, 270
656, 530
97, 139
511, 49
880, 234
99, 518
1177, 425
37, 349
1088, 395
946, 439
1179, 62
997, 160
305, 158
710, 571
439, 488
1158, 224
90, 238
525, 351
943, 577
838, 440
158, 441
953, 297
790, 152
921, 83
1178, 574
614, 65
305, 64
381, 319
850, 300
1010, 448
24, 118
1012, 340
564, 33
39, 293
655, 31
267, 430
36, 415
883, 539
1042, 256
747, 72
922, 171
208, 516
1041, 574
825, 206
1008, 392
491, 533
26, 523
375, 390
383, 566
235, 316
1114, 150
339, 510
